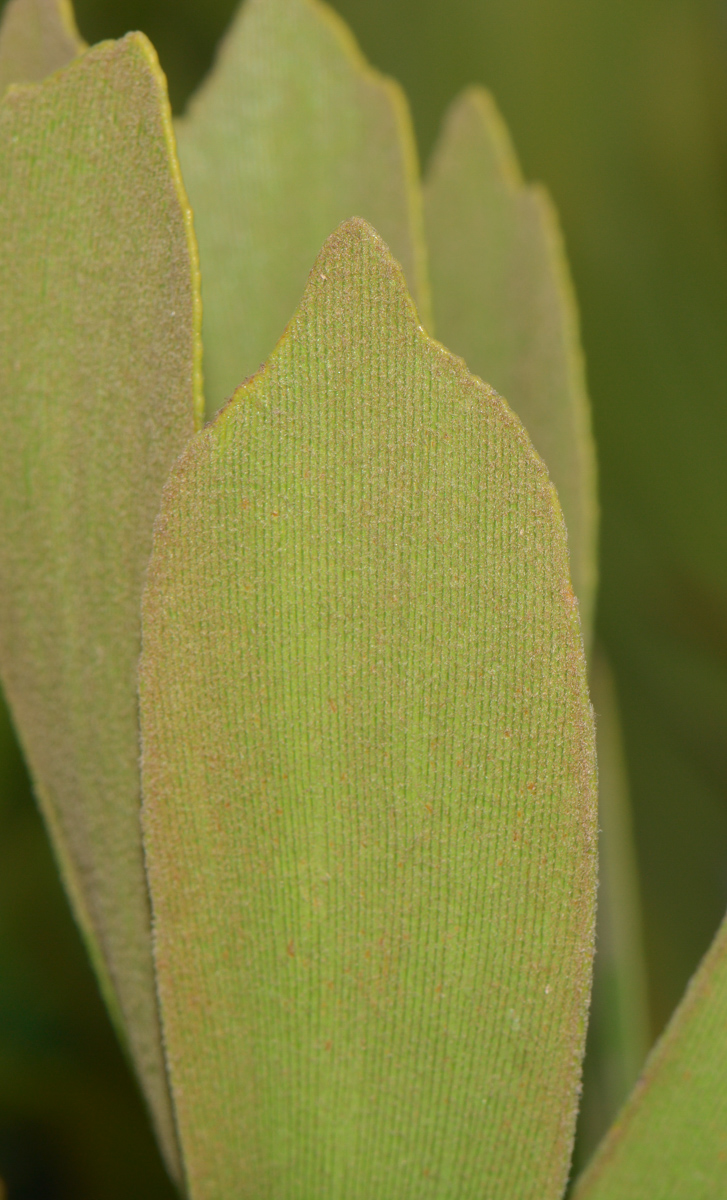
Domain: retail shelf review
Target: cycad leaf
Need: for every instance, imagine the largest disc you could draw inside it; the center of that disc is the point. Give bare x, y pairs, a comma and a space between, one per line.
618, 1029
502, 299
292, 134
37, 37
670, 1139
369, 802
98, 377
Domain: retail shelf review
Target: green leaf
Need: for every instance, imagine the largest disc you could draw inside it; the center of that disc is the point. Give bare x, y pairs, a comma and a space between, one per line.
292, 134
621, 109
368, 773
99, 377
670, 1140
37, 37
618, 1027
503, 300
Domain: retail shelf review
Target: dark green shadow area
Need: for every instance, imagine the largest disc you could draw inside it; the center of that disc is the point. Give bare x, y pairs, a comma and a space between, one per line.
72, 1125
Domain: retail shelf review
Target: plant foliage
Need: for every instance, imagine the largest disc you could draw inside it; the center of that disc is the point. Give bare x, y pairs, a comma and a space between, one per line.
291, 134
368, 772
100, 398
368, 775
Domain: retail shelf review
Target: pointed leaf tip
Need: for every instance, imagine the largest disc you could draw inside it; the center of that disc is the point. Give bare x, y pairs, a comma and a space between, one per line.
292, 133
669, 1139
504, 301
369, 794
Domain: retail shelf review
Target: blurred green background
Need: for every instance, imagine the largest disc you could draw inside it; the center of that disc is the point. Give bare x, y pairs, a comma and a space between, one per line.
620, 107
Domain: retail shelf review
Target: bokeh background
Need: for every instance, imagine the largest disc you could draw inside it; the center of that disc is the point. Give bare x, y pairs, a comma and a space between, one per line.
620, 108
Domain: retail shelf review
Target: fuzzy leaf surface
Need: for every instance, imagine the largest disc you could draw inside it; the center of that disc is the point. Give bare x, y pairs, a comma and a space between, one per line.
368, 772
291, 134
670, 1139
37, 37
502, 298
99, 351
622, 108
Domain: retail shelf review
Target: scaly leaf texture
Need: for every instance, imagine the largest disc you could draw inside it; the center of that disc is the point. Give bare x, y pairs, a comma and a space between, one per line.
368, 773
618, 1029
99, 378
37, 37
292, 133
502, 298
670, 1139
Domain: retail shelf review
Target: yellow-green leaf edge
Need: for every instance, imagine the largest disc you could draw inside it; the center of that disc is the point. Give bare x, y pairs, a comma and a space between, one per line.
194, 880
143, 1044
289, 41
670, 1139
618, 1029
474, 138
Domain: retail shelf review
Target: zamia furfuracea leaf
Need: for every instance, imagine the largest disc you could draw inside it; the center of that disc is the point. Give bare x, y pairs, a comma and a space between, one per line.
618, 1022
292, 133
503, 300
99, 377
368, 751
369, 792
670, 1139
